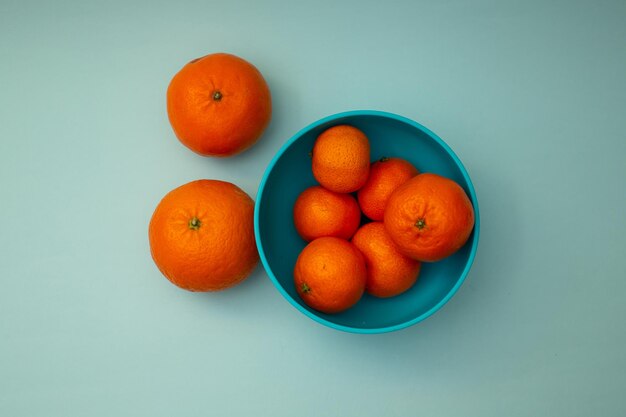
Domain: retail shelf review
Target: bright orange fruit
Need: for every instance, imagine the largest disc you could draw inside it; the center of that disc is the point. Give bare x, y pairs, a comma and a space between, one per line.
202, 235
330, 275
429, 217
389, 272
385, 176
218, 105
319, 212
341, 159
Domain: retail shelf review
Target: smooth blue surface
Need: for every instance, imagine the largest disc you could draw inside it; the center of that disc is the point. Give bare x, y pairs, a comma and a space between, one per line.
531, 95
289, 173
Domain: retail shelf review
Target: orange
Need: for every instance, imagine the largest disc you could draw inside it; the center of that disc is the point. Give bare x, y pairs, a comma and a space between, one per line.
218, 105
330, 275
386, 175
319, 212
341, 159
202, 235
389, 272
429, 217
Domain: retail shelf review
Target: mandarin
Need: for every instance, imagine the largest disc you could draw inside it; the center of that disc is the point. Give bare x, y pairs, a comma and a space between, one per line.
319, 212
385, 176
341, 159
218, 105
202, 235
429, 217
389, 272
330, 275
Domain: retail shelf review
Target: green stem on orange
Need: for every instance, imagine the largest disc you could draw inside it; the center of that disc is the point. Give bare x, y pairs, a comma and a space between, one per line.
383, 159
194, 223
217, 96
305, 288
420, 223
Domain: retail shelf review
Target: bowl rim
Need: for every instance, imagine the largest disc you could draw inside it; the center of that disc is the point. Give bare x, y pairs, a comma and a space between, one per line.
350, 329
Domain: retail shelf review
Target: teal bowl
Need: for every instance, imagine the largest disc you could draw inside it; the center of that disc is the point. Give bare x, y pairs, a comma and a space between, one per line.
289, 173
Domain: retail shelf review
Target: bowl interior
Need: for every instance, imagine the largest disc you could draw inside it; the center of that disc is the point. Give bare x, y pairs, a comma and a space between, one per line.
280, 244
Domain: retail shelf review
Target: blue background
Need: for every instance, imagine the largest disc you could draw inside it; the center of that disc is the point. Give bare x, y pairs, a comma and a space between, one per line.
530, 95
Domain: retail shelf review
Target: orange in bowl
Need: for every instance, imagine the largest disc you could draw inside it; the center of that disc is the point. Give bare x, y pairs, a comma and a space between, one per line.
330, 275
389, 272
429, 217
319, 212
385, 176
341, 159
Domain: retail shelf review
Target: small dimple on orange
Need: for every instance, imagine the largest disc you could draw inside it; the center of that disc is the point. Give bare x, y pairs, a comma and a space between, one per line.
341, 159
429, 217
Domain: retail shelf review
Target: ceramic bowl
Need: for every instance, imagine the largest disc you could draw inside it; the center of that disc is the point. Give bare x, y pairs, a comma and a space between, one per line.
289, 173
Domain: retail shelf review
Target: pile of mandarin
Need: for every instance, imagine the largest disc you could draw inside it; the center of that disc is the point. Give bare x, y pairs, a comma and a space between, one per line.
409, 218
